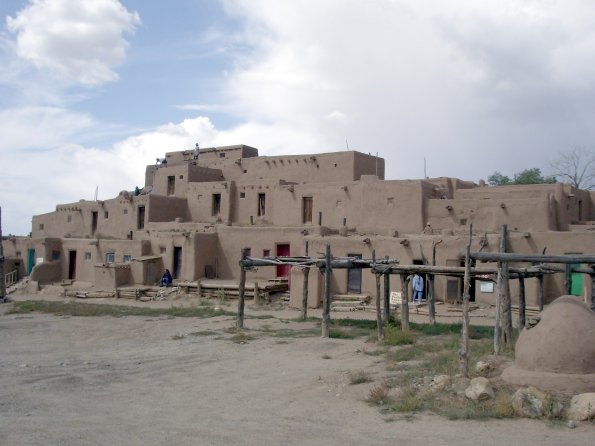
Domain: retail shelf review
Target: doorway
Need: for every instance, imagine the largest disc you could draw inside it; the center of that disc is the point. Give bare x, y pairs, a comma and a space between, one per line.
72, 265
354, 277
94, 215
177, 268
283, 270
30, 260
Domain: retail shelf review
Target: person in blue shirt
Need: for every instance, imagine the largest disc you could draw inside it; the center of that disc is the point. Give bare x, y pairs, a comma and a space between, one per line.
418, 288
166, 279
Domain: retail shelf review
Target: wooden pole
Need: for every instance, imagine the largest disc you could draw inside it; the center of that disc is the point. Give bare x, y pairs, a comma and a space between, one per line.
432, 296
242, 290
533, 258
464, 352
256, 294
504, 290
2, 281
386, 312
305, 291
540, 292
326, 303
404, 302
378, 305
521, 302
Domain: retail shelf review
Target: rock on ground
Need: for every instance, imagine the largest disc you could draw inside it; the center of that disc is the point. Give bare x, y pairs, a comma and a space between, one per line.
582, 407
479, 389
531, 402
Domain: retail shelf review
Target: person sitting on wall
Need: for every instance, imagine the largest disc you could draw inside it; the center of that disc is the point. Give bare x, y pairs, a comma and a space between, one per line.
166, 279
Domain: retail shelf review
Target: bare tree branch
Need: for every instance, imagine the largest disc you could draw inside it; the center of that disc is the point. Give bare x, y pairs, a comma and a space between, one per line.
576, 167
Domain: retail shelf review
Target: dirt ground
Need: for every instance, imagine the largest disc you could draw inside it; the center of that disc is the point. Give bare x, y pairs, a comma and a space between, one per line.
182, 381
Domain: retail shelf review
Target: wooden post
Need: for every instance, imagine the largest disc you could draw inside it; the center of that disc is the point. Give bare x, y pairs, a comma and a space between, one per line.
198, 290
242, 290
326, 303
2, 281
540, 292
464, 353
521, 302
305, 290
404, 302
505, 312
386, 312
432, 296
378, 305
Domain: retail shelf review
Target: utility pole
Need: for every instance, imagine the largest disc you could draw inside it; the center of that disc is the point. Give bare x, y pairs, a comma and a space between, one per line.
2, 282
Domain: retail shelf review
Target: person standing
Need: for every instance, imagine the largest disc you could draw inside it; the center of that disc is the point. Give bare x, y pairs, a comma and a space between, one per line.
418, 288
196, 151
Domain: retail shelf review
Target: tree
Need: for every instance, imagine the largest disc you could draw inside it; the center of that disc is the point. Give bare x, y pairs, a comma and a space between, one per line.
497, 179
576, 167
532, 176
527, 176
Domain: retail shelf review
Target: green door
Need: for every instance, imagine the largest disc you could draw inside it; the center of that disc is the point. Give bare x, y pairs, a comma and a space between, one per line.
30, 260
576, 283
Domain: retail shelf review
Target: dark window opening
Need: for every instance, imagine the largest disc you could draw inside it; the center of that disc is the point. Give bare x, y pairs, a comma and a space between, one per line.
242, 194
216, 204
171, 185
266, 252
140, 224
261, 204
580, 210
94, 222
221, 155
307, 210
72, 265
106, 214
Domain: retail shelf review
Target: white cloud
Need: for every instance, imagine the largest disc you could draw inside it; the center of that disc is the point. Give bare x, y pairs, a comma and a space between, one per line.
78, 41
456, 82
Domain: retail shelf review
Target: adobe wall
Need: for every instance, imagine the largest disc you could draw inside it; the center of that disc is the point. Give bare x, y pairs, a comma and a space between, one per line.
231, 239
208, 155
108, 277
387, 206
489, 215
162, 208
200, 201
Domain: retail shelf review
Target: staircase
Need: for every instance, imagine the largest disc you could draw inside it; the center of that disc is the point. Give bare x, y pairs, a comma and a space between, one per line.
350, 302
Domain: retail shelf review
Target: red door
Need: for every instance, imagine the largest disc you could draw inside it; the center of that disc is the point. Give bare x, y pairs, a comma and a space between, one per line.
283, 270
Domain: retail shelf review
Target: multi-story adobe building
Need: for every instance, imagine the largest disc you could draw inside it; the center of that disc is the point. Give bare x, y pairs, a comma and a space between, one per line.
194, 216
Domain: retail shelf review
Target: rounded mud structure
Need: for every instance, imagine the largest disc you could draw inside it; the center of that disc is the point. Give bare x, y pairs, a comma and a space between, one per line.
559, 352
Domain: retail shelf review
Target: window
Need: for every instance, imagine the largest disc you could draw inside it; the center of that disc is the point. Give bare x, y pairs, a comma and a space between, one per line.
93, 222
41, 226
242, 194
266, 252
261, 205
69, 218
162, 250
306, 209
248, 252
55, 255
127, 258
221, 155
140, 223
216, 204
171, 185
125, 211
87, 256
105, 214
110, 257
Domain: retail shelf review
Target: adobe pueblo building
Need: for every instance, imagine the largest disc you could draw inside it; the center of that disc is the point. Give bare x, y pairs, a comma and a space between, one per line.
194, 216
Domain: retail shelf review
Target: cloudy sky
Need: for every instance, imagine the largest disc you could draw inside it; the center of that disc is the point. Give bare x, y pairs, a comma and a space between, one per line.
93, 91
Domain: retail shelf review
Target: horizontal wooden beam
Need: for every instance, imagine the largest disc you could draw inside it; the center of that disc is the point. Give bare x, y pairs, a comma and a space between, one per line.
534, 258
